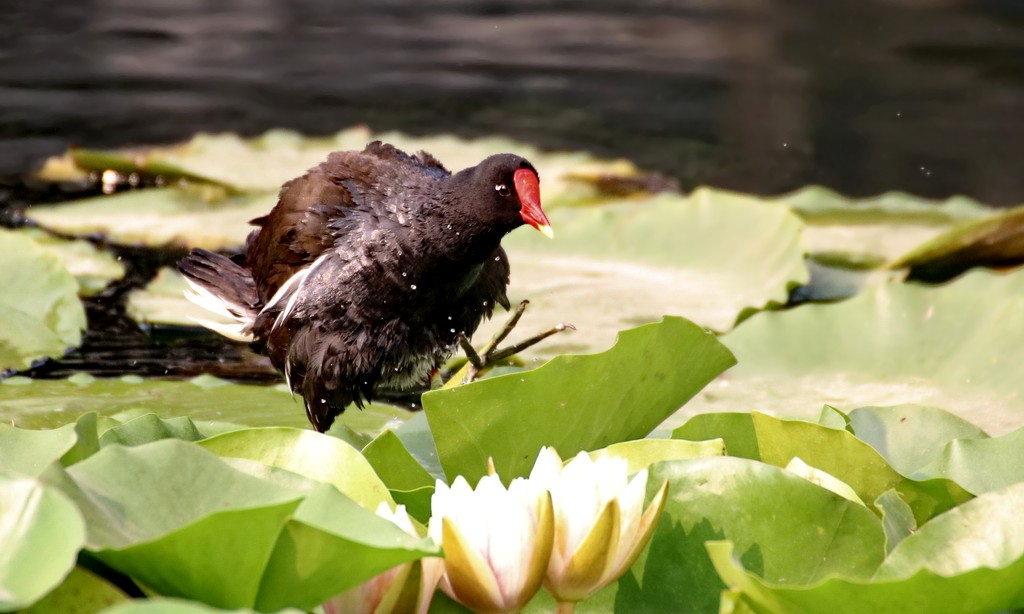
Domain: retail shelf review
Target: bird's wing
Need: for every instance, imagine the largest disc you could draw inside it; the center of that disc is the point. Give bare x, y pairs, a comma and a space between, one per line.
304, 223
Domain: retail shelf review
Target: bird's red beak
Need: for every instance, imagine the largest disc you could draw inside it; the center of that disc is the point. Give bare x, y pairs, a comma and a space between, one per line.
528, 189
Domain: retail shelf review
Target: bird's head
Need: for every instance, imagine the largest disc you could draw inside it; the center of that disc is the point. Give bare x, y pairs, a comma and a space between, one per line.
509, 190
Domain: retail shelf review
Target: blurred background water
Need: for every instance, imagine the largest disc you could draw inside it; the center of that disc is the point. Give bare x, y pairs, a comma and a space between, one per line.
758, 95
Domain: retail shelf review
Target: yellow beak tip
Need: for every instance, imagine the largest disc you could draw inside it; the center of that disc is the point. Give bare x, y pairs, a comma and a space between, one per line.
546, 231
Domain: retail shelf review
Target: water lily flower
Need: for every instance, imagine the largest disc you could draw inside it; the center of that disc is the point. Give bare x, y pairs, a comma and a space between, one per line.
496, 541
385, 593
600, 524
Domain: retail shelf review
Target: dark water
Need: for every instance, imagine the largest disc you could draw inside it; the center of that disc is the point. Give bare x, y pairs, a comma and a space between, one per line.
760, 95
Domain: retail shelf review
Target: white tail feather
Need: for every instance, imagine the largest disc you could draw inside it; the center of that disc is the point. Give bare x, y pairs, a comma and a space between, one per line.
240, 319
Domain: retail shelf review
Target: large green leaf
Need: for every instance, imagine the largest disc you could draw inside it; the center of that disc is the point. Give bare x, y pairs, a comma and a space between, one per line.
910, 436
183, 217
41, 532
981, 465
247, 175
894, 344
330, 545
997, 240
307, 453
854, 232
51, 403
819, 205
151, 510
82, 592
408, 481
30, 452
92, 267
710, 258
266, 162
839, 453
177, 606
785, 528
40, 314
573, 403
642, 453
969, 560
736, 429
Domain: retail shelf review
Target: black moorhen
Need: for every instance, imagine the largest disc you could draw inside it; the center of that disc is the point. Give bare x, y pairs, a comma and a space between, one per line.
369, 269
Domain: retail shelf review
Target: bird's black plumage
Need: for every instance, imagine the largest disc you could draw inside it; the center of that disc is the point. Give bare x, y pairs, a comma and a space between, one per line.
368, 268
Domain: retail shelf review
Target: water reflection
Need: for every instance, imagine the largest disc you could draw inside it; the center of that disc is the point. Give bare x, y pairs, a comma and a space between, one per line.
760, 95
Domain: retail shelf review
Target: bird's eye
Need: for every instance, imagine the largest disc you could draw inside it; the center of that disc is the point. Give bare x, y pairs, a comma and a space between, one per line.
502, 189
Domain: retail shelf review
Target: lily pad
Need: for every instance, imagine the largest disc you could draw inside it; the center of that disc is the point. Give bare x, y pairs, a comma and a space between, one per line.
41, 532
996, 241
967, 561
40, 313
980, 465
308, 453
160, 217
92, 267
893, 344
642, 453
330, 545
712, 258
854, 232
820, 205
51, 403
267, 161
785, 528
82, 592
840, 454
616, 395
910, 436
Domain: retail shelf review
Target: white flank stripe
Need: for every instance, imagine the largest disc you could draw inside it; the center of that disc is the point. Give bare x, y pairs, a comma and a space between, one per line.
294, 287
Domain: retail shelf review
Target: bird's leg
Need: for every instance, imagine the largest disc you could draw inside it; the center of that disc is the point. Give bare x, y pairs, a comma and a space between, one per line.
490, 354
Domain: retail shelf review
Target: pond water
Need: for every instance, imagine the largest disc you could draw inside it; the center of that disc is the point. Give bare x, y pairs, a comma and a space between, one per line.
758, 95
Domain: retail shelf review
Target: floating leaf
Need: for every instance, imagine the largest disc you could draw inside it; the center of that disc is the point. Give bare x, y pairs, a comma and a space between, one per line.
894, 344
854, 462
158, 217
642, 453
309, 454
50, 403
81, 592
897, 518
150, 427
910, 436
409, 482
329, 546
30, 452
711, 258
967, 561
784, 526
202, 505
41, 532
997, 240
980, 465
736, 429
619, 394
178, 606
91, 267
40, 314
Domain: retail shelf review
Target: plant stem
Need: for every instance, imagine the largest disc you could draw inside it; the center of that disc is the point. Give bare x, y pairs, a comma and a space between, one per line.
565, 607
